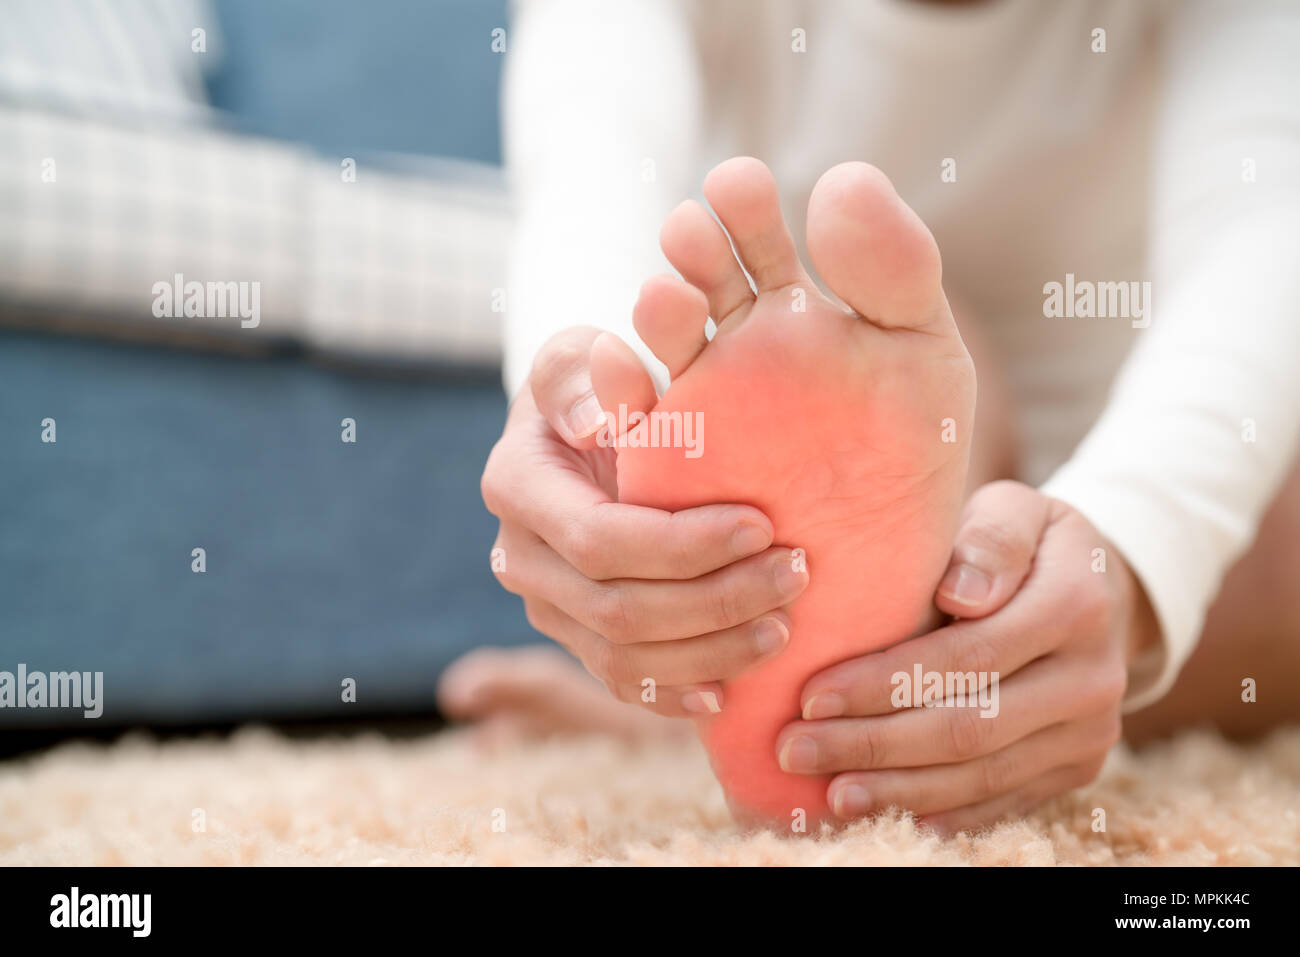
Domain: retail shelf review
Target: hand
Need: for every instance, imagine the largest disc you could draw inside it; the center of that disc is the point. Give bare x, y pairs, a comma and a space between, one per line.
686, 598
1035, 610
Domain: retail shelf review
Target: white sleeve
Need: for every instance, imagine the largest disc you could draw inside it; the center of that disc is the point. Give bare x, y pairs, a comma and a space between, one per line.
601, 114
1203, 422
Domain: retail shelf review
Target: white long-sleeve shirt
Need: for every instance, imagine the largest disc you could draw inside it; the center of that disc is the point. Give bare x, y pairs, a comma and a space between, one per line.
1164, 149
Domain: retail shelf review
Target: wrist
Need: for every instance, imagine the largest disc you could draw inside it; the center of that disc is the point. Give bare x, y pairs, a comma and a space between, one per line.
1142, 627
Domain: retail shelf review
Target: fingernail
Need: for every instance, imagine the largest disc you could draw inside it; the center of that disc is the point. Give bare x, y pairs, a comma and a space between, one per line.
748, 539
701, 702
799, 754
770, 636
788, 581
851, 801
966, 585
828, 704
585, 417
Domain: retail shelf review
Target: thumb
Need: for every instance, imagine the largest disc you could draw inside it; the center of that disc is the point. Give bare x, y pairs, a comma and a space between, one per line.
561, 384
994, 549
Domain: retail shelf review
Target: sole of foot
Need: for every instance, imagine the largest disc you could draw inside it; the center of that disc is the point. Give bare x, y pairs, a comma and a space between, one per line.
847, 424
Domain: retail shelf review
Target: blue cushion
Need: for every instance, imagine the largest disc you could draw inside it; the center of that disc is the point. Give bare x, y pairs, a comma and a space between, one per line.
411, 76
325, 560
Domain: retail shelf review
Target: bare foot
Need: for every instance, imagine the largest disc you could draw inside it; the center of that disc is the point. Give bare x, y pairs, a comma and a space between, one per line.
849, 429
536, 692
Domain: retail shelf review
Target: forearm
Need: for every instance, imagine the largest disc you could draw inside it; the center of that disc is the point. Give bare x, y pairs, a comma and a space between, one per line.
601, 111
1203, 422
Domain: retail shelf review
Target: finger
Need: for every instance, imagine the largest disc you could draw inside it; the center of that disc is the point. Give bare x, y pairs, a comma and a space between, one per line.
1014, 803
1054, 604
1000, 530
561, 386
628, 610
1049, 691
698, 248
604, 539
743, 193
622, 384
670, 316
945, 787
1002, 644
595, 653
681, 701
713, 657
577, 639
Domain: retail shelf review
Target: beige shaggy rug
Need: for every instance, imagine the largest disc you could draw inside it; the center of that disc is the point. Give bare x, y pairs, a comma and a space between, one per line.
258, 798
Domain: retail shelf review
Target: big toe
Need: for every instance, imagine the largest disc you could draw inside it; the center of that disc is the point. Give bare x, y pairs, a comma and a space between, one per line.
874, 252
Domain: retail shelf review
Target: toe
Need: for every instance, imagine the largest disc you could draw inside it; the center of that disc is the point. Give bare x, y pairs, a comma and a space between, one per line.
670, 317
698, 248
874, 252
743, 193
620, 380
489, 681
465, 687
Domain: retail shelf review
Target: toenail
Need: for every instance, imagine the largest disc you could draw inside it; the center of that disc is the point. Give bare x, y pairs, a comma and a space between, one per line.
799, 754
748, 539
701, 702
585, 417
966, 585
851, 801
788, 581
828, 704
770, 636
